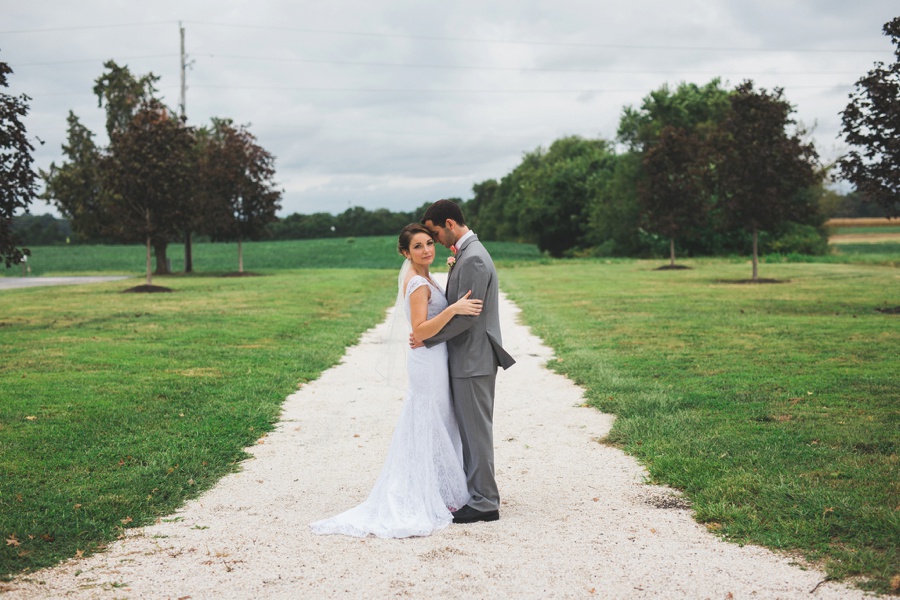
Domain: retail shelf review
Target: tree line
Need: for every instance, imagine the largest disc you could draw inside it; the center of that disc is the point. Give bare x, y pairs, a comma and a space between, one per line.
700, 169
159, 179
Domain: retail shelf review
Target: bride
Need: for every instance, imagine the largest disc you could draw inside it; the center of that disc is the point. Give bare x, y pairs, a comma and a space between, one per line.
422, 480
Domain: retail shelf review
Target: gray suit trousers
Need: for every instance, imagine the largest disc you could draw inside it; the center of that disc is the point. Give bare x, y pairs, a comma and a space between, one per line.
473, 403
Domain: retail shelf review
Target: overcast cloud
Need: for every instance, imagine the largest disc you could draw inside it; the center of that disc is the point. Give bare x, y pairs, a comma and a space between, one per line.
391, 104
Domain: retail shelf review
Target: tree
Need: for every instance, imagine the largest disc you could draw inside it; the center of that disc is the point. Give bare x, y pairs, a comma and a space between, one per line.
18, 182
557, 196
74, 186
673, 196
762, 172
123, 93
147, 176
42, 230
236, 176
690, 107
871, 124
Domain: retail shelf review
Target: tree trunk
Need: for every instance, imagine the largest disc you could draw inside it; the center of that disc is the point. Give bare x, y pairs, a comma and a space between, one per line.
149, 264
188, 252
240, 257
162, 265
755, 254
672, 252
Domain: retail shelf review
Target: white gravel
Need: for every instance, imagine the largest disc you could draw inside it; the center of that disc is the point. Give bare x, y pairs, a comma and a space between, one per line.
8, 283
577, 521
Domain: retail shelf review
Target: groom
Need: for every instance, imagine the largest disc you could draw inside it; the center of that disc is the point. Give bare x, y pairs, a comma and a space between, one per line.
473, 345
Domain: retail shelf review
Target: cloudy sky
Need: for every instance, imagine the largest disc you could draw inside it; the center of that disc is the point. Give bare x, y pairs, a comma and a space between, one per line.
393, 103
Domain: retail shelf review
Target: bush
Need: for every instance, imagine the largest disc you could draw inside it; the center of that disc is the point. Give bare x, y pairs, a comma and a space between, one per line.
798, 239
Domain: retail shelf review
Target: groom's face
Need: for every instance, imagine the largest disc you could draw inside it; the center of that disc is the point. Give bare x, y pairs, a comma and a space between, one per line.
445, 235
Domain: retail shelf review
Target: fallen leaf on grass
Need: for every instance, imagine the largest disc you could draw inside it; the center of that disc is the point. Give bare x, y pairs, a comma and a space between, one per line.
127, 520
79, 553
12, 541
31, 418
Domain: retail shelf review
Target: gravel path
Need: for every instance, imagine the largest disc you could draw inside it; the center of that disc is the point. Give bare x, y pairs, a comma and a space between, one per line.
8, 283
576, 519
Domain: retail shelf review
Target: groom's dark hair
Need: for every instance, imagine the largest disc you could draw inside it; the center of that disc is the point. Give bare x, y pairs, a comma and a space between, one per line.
440, 211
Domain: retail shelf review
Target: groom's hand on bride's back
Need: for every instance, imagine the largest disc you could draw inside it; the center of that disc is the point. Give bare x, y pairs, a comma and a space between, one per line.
414, 343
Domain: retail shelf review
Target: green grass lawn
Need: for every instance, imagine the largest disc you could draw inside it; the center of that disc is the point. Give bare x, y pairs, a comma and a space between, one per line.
117, 407
776, 408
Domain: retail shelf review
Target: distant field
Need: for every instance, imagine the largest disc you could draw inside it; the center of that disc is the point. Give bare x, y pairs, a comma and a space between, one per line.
361, 253
861, 222
863, 231
343, 253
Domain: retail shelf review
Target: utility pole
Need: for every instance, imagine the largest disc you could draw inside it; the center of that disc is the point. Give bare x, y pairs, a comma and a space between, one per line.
188, 252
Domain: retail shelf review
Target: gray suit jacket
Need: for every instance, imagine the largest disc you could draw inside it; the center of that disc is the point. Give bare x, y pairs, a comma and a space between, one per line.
473, 343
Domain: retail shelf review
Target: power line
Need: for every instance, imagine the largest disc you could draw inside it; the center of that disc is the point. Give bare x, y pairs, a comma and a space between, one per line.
510, 69
92, 60
446, 38
459, 91
85, 27
528, 42
436, 66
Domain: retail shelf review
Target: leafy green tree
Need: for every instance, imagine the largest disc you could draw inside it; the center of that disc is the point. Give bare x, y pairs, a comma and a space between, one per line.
123, 94
871, 125
147, 175
18, 182
546, 198
558, 196
614, 216
236, 186
475, 211
695, 110
763, 171
690, 107
74, 186
673, 195
297, 226
42, 230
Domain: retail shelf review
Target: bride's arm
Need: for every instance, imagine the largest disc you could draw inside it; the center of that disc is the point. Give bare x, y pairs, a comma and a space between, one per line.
423, 327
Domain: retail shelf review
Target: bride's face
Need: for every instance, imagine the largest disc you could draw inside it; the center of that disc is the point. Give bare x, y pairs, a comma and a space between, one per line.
421, 249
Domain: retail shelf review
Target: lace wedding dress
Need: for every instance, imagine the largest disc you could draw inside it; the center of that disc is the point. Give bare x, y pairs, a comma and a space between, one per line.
422, 479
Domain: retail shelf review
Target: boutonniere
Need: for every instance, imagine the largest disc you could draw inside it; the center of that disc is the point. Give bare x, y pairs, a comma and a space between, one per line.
451, 260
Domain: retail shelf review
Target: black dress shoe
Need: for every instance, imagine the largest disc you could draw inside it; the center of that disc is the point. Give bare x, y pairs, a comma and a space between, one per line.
467, 514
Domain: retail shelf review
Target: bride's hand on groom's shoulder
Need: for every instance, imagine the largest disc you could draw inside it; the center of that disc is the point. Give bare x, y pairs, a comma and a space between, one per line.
467, 306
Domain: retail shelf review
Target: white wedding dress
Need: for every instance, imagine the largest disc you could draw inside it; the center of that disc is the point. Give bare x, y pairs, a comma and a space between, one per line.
422, 479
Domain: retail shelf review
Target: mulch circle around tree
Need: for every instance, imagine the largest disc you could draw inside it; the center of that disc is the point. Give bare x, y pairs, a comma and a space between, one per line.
889, 311
244, 274
760, 280
672, 268
147, 289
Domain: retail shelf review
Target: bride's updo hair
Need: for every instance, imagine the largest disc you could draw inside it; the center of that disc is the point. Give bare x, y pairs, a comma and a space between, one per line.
407, 233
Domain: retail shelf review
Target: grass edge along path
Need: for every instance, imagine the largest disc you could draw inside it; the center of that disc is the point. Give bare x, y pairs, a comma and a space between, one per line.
116, 408
773, 407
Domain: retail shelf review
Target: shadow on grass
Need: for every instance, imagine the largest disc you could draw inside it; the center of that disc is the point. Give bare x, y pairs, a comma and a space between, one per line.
745, 281
146, 289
